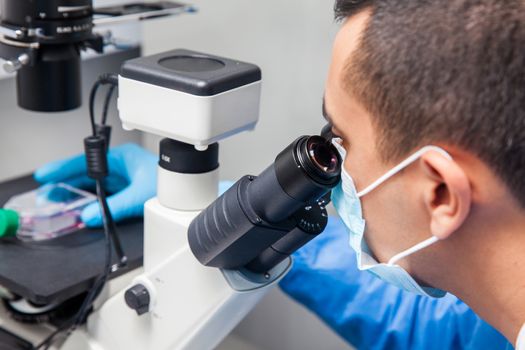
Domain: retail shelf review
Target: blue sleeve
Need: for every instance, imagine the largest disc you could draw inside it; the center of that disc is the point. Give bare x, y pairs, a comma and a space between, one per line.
370, 314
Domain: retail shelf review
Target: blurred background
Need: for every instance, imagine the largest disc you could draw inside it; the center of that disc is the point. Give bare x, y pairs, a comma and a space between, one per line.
291, 42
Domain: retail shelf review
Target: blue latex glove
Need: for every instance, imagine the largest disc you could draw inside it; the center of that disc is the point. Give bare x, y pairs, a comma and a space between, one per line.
132, 181
370, 314
224, 186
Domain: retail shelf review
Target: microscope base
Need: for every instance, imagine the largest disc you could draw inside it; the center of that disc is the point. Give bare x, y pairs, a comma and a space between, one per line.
192, 306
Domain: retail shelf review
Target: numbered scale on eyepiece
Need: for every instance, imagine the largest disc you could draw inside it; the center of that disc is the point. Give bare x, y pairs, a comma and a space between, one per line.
262, 220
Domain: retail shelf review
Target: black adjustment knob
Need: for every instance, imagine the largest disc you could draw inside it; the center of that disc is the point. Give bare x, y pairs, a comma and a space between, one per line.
138, 299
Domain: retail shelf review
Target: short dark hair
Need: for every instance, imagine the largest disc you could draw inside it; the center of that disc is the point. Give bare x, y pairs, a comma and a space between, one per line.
451, 72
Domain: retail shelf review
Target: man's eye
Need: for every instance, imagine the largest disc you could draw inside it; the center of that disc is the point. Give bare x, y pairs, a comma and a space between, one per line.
330, 132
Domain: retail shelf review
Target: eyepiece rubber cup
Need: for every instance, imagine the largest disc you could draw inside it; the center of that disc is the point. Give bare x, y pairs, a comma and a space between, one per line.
310, 166
319, 158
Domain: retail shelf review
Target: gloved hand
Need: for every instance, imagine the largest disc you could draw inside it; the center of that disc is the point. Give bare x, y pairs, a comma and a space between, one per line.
224, 186
131, 182
370, 314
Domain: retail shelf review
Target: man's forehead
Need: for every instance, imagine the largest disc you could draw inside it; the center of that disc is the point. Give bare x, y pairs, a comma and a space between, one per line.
346, 42
348, 38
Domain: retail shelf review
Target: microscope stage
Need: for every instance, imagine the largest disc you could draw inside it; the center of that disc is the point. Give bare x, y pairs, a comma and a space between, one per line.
56, 270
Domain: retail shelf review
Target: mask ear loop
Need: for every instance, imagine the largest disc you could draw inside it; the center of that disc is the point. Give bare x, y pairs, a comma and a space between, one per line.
401, 166
393, 260
391, 173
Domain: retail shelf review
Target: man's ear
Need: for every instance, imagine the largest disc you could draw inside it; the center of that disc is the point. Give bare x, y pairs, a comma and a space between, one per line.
447, 194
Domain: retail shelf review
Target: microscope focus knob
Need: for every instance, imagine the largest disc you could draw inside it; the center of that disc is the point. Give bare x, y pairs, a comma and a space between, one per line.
138, 299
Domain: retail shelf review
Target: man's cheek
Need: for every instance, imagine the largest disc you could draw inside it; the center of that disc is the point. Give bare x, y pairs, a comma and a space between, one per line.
357, 170
372, 235
372, 217
382, 212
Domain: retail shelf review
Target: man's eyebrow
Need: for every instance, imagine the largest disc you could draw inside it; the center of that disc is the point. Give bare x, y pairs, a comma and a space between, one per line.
328, 118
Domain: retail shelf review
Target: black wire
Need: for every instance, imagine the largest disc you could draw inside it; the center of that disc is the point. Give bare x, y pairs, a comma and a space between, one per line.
110, 79
92, 96
109, 227
113, 81
106, 104
104, 79
97, 287
49, 340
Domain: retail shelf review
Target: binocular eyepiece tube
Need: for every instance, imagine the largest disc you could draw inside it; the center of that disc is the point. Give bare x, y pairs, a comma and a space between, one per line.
262, 220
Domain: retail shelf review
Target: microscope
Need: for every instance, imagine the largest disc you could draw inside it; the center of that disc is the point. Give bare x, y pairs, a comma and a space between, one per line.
207, 260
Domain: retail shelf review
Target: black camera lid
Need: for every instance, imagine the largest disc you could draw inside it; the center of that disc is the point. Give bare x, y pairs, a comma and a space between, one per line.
191, 72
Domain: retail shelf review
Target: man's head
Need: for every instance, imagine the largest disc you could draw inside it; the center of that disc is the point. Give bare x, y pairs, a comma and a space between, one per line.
410, 73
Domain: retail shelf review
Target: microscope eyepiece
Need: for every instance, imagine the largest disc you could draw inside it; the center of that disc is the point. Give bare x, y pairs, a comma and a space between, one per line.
320, 158
263, 219
308, 168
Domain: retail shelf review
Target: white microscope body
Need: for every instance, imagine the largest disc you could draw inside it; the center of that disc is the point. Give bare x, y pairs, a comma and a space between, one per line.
179, 303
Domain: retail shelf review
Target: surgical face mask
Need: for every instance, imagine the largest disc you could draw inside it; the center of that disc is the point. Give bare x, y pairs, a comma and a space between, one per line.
347, 202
